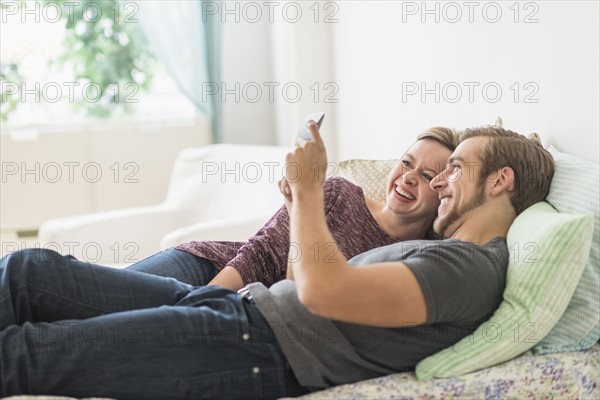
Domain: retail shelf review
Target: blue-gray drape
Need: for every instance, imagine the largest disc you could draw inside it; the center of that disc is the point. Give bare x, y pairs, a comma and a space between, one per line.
187, 41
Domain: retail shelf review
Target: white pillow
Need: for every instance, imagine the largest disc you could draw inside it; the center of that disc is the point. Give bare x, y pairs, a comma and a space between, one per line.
575, 189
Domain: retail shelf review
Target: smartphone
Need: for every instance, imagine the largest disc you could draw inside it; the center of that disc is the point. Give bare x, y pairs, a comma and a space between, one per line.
303, 131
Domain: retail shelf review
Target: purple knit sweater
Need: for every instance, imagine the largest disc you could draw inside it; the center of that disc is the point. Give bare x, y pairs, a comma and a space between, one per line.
263, 258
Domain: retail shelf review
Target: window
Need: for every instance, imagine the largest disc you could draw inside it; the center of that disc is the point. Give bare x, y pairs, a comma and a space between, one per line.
76, 63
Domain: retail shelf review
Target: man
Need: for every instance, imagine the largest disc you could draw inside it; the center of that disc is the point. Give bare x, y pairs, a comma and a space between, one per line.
80, 330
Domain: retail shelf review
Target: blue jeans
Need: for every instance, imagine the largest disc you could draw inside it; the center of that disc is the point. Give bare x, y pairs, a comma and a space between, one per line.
76, 329
178, 264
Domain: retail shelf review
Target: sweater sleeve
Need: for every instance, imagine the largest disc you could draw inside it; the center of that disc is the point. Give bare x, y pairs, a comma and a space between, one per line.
264, 257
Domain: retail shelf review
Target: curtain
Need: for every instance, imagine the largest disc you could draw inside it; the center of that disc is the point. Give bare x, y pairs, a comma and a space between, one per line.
188, 44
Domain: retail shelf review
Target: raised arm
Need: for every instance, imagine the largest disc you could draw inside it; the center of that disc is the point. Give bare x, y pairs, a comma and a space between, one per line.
386, 294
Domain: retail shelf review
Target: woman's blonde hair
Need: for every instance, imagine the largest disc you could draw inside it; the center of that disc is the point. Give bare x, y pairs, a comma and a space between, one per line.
447, 137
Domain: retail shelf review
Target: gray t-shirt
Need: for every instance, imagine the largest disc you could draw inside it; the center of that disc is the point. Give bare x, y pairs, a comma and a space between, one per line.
462, 284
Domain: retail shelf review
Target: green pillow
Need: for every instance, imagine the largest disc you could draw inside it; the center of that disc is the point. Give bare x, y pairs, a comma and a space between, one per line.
574, 189
548, 251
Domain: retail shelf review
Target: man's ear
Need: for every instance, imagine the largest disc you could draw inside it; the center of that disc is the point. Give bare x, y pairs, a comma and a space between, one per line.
504, 180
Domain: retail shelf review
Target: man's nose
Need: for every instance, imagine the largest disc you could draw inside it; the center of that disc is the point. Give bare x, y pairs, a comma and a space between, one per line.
439, 182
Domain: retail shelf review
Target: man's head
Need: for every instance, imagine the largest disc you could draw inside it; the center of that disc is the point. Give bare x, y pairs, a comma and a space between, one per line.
493, 170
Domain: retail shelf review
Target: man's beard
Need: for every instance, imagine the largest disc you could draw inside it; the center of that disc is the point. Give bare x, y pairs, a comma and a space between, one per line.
441, 224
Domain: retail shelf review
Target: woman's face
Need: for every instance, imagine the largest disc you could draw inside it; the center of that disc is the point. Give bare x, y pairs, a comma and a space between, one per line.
408, 191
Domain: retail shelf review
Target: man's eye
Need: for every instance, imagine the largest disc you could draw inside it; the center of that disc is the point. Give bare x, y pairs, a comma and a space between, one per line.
406, 163
453, 166
428, 177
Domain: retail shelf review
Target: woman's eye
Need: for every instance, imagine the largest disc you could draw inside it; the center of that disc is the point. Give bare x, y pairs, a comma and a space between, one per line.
428, 177
406, 163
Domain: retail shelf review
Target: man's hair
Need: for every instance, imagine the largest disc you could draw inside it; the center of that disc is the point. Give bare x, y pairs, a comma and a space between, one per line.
533, 165
445, 136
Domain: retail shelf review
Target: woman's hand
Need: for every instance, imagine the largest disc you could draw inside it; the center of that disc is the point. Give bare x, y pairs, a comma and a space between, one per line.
284, 188
307, 164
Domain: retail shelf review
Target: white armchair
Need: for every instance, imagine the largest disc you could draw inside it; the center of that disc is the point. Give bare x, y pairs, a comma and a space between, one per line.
216, 192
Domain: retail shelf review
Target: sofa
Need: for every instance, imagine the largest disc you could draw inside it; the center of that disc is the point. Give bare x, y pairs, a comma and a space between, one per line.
218, 192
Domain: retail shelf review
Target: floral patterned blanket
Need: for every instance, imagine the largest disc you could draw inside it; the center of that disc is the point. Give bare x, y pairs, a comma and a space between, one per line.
573, 375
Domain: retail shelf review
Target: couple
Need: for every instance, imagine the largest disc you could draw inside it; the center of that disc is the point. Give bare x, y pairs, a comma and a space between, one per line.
76, 329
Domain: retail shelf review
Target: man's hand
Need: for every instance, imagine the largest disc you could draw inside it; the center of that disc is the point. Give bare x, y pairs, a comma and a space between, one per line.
307, 164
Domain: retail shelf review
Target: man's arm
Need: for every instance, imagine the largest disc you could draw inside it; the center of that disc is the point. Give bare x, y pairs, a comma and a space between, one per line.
386, 295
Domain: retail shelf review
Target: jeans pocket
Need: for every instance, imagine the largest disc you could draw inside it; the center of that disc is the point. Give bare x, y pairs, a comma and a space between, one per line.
244, 383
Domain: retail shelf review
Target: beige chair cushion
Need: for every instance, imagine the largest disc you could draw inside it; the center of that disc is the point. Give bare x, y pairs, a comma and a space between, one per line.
370, 175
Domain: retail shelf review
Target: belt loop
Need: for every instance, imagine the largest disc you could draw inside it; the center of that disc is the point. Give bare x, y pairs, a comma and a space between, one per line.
246, 295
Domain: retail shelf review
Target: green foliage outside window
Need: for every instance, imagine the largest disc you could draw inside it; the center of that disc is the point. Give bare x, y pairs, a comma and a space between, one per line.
105, 49
8, 73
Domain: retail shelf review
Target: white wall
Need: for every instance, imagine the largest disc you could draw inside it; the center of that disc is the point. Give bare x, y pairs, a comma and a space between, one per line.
375, 52
303, 55
283, 48
246, 62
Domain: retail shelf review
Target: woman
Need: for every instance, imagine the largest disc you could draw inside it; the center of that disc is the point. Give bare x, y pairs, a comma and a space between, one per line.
358, 223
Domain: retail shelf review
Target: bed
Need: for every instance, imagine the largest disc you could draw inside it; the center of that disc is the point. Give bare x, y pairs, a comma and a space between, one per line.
572, 375
560, 370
